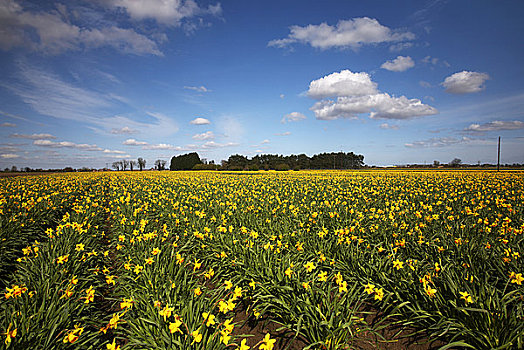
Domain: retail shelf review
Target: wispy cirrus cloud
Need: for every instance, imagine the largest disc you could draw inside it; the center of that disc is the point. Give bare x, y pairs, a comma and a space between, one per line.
49, 95
438, 142
200, 88
123, 131
496, 125
42, 136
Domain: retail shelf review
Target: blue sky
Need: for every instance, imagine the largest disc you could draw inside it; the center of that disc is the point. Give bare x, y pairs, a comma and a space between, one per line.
87, 83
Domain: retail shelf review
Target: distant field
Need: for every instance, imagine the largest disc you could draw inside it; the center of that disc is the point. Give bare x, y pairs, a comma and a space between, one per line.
309, 259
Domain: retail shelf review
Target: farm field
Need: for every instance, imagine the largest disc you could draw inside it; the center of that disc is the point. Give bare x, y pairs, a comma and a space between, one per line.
262, 260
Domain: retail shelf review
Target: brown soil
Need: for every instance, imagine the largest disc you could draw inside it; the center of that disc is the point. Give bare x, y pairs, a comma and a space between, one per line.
391, 337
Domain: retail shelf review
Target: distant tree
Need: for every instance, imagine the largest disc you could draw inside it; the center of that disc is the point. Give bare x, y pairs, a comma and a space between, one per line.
455, 162
14, 168
132, 164
141, 163
282, 167
185, 161
116, 165
160, 164
237, 162
436, 163
125, 164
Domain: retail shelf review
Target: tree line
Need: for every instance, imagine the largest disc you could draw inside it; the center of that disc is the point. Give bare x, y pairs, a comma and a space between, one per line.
124, 164
339, 160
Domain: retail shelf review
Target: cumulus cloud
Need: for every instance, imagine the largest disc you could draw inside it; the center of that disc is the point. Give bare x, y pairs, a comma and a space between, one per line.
7, 125
287, 133
465, 82
399, 64
167, 12
356, 94
123, 131
133, 142
266, 141
351, 33
208, 135
201, 88
200, 121
51, 33
379, 106
33, 136
293, 117
438, 142
344, 83
496, 125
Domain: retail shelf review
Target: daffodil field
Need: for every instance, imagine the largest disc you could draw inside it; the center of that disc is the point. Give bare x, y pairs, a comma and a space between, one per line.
179, 260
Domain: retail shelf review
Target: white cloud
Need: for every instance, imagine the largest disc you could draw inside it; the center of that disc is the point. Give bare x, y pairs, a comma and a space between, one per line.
429, 59
7, 125
48, 32
388, 126
9, 156
465, 82
200, 121
379, 106
33, 136
344, 83
168, 12
357, 94
201, 88
496, 125
123, 131
133, 142
287, 133
438, 142
66, 144
113, 151
208, 135
347, 33
266, 141
293, 117
213, 144
162, 146
399, 64
400, 46
282, 95
424, 84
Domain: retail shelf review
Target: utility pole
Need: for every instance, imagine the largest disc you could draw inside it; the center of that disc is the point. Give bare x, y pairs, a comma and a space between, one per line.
498, 157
